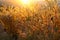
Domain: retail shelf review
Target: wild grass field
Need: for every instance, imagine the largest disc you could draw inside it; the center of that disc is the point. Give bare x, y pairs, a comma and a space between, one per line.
40, 23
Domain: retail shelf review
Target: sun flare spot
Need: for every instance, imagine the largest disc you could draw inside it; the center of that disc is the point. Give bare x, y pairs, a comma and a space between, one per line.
25, 2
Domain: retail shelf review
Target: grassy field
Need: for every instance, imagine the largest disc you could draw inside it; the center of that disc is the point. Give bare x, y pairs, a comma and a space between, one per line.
39, 23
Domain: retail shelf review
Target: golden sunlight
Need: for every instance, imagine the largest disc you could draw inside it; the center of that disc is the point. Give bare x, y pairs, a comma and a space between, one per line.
28, 2
25, 2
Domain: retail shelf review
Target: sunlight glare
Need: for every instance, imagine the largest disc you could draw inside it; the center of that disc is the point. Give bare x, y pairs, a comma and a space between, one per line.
25, 2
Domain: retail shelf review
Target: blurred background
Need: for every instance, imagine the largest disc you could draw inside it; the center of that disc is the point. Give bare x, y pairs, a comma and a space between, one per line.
30, 20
